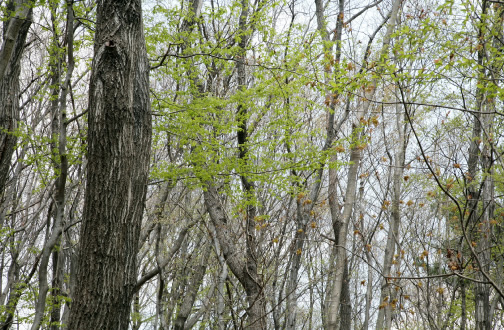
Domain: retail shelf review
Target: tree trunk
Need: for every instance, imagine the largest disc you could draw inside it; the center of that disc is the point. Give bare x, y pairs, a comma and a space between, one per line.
221, 281
481, 201
14, 29
473, 199
194, 281
119, 139
340, 224
463, 310
340, 227
299, 238
332, 172
15, 32
237, 260
14, 38
386, 297
59, 126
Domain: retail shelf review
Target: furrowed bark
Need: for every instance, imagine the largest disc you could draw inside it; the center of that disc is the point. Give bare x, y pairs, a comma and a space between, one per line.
14, 38
119, 139
13, 43
13, 31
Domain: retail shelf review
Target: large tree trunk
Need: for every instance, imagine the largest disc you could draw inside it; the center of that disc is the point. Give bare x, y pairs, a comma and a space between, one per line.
14, 37
119, 138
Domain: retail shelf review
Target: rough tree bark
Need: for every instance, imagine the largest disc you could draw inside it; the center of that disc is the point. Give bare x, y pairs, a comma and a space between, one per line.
15, 31
119, 139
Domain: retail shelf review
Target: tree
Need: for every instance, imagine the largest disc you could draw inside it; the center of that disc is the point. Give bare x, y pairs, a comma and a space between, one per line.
314, 164
119, 138
59, 136
14, 38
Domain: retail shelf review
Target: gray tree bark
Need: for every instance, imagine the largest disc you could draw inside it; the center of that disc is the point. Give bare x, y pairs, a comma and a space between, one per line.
385, 314
478, 160
195, 277
340, 224
59, 125
119, 139
236, 259
15, 31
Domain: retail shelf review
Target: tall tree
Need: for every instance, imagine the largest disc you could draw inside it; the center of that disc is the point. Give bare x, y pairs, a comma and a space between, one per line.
14, 37
119, 139
59, 129
340, 223
481, 160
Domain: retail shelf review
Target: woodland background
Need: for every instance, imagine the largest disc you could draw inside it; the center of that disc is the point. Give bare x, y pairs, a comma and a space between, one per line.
314, 164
